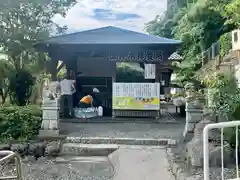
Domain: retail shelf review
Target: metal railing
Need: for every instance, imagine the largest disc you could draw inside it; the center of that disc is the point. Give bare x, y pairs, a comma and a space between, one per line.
211, 53
221, 126
8, 155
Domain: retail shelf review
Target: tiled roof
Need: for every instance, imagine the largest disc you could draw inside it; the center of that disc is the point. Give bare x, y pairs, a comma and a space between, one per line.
175, 56
109, 35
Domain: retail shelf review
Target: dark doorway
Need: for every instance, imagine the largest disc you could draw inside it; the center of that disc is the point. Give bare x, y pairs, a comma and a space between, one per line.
85, 85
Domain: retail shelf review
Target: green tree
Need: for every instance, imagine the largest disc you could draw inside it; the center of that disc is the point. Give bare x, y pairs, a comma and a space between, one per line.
232, 12
22, 24
198, 24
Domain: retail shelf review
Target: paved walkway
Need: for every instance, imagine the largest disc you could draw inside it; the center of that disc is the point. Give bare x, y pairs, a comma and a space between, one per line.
140, 164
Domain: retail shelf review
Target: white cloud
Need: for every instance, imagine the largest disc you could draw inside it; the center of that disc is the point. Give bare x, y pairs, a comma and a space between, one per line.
78, 18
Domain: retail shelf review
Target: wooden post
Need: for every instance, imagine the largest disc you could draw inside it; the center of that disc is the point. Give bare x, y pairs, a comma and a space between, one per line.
72, 66
157, 80
113, 81
54, 63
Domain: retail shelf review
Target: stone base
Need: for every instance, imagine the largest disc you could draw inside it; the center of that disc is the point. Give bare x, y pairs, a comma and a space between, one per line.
176, 165
50, 124
48, 133
189, 128
188, 137
136, 113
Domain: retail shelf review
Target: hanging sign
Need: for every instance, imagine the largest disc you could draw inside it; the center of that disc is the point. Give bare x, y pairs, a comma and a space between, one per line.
148, 56
149, 71
136, 96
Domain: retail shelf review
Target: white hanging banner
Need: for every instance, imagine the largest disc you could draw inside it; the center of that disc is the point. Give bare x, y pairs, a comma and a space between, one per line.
149, 71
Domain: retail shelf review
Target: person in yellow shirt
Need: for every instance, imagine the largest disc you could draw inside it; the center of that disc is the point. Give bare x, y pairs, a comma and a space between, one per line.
86, 102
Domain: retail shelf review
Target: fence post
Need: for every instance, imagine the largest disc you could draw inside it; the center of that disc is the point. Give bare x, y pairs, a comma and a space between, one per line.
213, 50
221, 126
203, 59
205, 153
9, 155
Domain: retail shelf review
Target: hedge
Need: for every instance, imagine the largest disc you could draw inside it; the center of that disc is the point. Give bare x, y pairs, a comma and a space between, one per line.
19, 122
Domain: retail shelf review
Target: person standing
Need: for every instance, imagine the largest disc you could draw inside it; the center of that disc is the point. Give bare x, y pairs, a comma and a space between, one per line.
67, 91
75, 94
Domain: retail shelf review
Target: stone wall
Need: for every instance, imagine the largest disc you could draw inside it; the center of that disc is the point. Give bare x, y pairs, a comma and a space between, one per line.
195, 147
36, 148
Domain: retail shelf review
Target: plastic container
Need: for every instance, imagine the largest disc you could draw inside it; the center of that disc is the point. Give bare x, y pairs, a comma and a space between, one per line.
100, 111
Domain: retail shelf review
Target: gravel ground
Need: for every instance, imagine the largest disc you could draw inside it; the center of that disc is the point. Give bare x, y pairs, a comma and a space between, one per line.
215, 174
45, 169
127, 163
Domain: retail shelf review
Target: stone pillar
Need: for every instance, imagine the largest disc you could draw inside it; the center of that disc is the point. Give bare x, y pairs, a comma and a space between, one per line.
50, 111
50, 117
194, 114
194, 111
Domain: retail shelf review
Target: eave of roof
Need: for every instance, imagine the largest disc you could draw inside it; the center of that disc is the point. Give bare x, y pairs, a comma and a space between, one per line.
109, 35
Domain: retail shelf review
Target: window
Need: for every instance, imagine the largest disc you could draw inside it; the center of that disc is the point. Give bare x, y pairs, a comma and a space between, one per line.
235, 37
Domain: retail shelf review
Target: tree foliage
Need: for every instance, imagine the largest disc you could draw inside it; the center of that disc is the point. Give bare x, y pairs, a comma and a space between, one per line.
232, 12
22, 24
198, 25
225, 96
126, 73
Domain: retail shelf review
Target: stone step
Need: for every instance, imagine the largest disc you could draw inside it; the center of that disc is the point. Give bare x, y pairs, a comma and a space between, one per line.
162, 120
78, 149
120, 141
88, 166
81, 159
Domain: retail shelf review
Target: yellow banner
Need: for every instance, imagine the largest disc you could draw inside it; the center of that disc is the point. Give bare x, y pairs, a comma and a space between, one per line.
132, 103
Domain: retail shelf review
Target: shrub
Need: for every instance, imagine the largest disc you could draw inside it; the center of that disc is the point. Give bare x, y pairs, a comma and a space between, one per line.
19, 122
21, 83
225, 100
225, 94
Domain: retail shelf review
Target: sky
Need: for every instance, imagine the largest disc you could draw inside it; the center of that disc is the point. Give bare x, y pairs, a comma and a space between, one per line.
128, 14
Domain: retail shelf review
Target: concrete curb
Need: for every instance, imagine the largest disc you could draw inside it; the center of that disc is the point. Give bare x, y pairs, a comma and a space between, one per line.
77, 149
96, 121
125, 141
